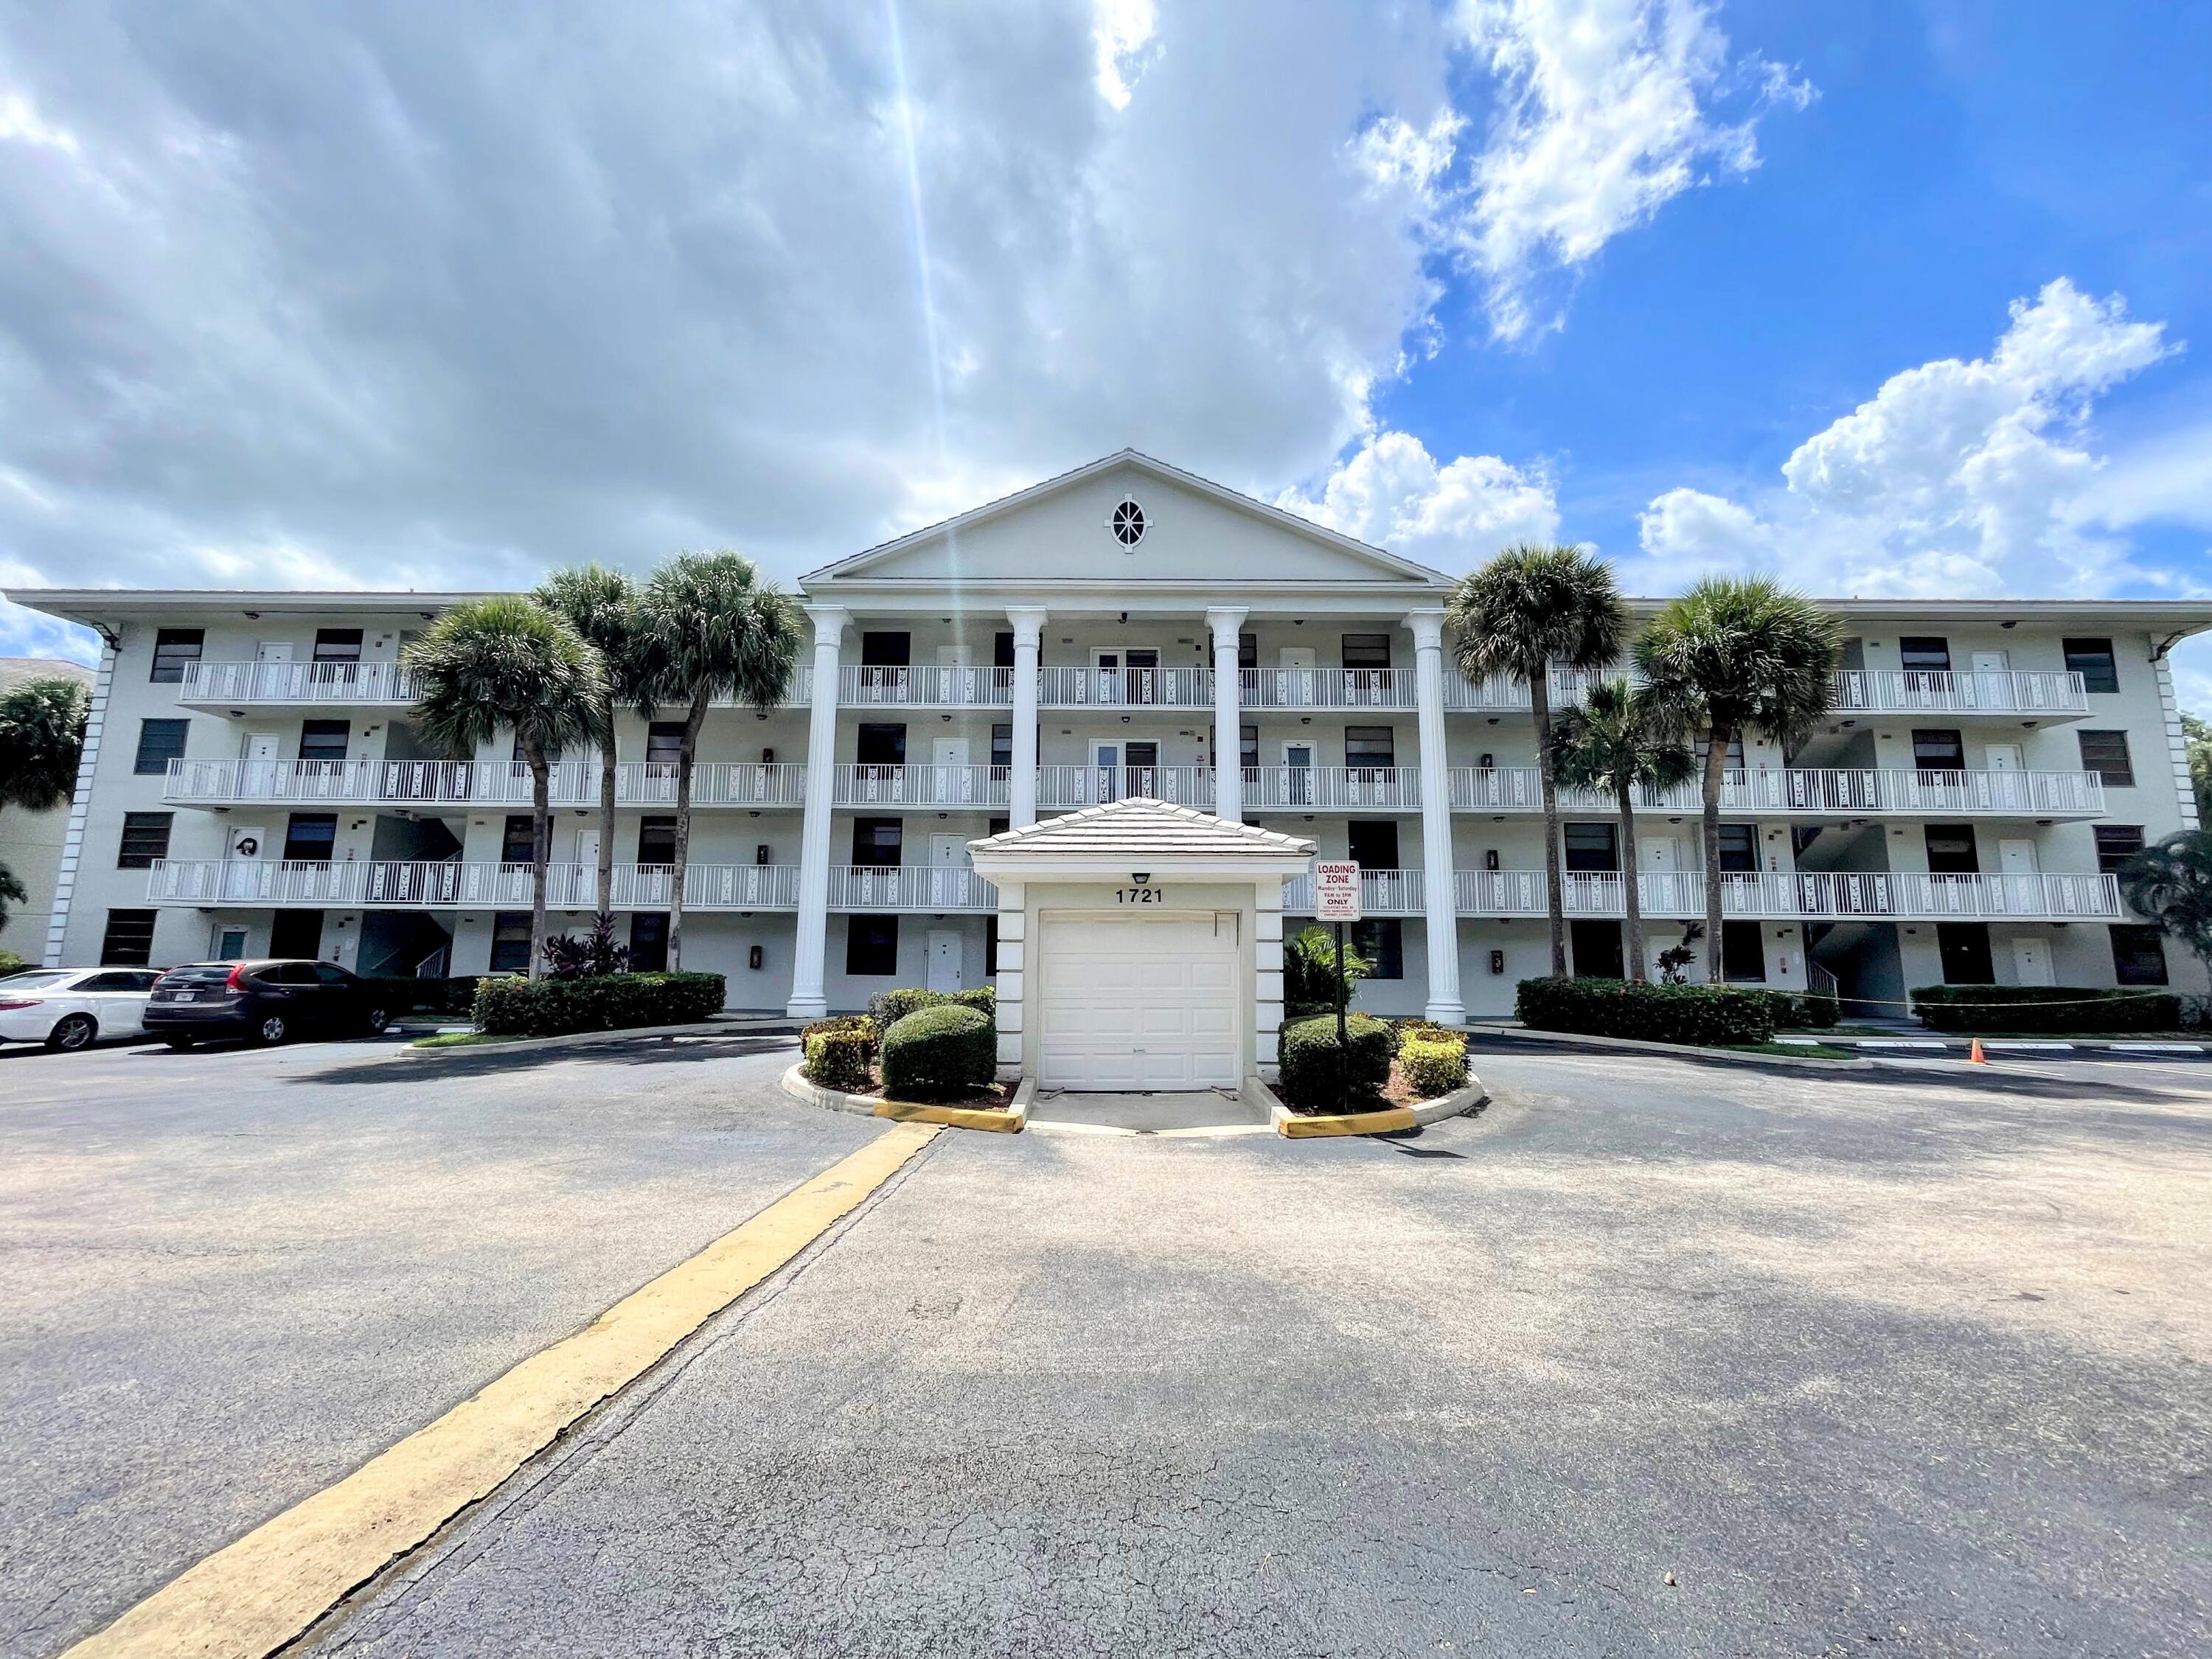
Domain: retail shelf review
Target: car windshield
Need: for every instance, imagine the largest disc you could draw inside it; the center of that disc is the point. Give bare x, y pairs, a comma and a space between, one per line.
37, 980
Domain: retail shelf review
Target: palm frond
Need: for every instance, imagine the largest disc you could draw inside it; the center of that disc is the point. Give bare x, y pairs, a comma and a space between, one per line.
1532, 605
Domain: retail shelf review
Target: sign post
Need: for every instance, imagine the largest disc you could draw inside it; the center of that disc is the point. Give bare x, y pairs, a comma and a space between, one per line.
1336, 899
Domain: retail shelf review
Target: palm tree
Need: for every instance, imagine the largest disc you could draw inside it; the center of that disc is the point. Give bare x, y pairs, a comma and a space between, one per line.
708, 627
508, 663
2170, 883
1529, 607
1737, 655
41, 740
600, 604
1620, 741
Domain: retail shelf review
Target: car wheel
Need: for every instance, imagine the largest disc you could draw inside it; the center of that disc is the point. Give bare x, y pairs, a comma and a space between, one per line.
378, 1019
73, 1033
271, 1028
180, 1041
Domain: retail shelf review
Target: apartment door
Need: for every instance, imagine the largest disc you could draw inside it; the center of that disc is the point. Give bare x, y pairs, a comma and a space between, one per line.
948, 864
1658, 889
1296, 662
955, 673
587, 865
943, 960
2016, 861
1992, 682
2031, 962
1990, 662
1106, 772
2007, 782
951, 781
273, 677
1297, 772
1140, 773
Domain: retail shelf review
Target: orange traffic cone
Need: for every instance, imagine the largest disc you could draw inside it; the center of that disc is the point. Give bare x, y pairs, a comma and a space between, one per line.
1974, 1055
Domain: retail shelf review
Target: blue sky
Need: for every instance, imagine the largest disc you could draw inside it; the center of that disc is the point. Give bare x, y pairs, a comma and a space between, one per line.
1890, 298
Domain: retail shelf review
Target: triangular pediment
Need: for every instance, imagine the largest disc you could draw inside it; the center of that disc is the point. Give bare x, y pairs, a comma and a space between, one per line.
1066, 529
1139, 831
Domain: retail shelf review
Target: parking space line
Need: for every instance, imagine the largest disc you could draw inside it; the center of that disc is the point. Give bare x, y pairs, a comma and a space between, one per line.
252, 1596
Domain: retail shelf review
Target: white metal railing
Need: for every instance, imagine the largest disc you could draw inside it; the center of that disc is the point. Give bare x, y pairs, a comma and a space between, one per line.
1325, 688
1820, 981
964, 686
1093, 786
1308, 788
490, 783
1125, 688
267, 683
1826, 791
933, 887
920, 786
1382, 893
2003, 691
1680, 894
423, 884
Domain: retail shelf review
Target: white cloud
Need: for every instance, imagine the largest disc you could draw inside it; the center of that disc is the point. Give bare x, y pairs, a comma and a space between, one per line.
1608, 112
20, 123
1976, 477
1120, 32
1392, 493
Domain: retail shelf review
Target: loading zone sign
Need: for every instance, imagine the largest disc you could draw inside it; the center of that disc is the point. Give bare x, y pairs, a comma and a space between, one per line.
1336, 891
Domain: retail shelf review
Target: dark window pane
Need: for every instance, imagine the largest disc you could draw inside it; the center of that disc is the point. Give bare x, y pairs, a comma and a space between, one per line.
1002, 744
880, 743
2138, 956
1929, 654
129, 940
1374, 843
883, 648
876, 842
990, 947
1248, 746
1382, 940
664, 742
1595, 950
1939, 751
2094, 661
324, 740
1247, 651
173, 648
1002, 649
649, 942
656, 841
1743, 952
1739, 848
2106, 753
160, 742
1592, 846
145, 838
510, 942
1951, 850
1366, 650
296, 933
518, 840
2116, 844
337, 645
1964, 948
872, 946
1370, 746
310, 835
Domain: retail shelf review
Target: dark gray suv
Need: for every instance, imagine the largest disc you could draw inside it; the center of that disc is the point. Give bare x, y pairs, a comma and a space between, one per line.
263, 1002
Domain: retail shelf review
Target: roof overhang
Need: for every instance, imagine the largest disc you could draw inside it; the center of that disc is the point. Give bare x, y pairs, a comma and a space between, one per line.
1123, 839
94, 606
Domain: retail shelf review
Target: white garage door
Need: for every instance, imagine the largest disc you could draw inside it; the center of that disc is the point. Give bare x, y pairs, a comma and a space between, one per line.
1140, 1004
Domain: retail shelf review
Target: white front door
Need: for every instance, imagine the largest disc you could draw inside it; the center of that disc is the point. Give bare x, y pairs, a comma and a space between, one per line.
588, 856
1141, 1003
2031, 961
952, 780
2016, 857
273, 651
955, 656
273, 677
1297, 656
943, 960
2003, 756
1105, 772
250, 840
950, 751
948, 864
261, 746
2006, 786
1659, 853
1990, 662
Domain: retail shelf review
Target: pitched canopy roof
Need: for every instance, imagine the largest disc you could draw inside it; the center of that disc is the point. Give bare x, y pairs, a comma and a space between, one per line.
1137, 833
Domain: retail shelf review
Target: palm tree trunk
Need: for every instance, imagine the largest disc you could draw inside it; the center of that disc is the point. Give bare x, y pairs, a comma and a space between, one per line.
541, 849
1631, 901
1716, 743
685, 756
606, 888
1555, 905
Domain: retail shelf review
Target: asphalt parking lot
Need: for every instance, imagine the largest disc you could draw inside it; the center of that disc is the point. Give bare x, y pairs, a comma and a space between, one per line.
1652, 1357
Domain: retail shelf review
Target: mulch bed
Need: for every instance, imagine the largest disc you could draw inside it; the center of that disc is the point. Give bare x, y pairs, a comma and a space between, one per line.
997, 1097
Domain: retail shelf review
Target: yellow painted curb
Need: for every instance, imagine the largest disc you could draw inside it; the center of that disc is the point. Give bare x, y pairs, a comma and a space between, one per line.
1350, 1123
952, 1117
254, 1596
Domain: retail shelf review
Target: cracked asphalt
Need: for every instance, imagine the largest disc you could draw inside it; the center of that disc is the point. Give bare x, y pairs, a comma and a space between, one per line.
1653, 1358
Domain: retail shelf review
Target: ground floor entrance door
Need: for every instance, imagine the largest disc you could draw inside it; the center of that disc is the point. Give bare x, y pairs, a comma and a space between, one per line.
944, 959
1151, 1003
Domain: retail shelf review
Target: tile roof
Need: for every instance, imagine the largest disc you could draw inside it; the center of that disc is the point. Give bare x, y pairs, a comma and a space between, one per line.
1141, 824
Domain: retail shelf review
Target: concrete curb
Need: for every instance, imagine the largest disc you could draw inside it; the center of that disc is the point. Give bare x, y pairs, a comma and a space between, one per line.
1011, 1122
1457, 1103
1677, 1050
579, 1039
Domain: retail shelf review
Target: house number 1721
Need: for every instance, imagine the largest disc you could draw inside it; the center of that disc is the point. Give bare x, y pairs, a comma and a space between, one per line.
1137, 895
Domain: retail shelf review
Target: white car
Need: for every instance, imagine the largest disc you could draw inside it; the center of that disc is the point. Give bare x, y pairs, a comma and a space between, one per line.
72, 1008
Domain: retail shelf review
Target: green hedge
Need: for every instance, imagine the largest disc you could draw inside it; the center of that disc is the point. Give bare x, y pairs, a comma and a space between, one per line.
839, 1053
437, 996
1433, 1064
1715, 1015
940, 1053
1310, 1075
2045, 1008
553, 1007
888, 1008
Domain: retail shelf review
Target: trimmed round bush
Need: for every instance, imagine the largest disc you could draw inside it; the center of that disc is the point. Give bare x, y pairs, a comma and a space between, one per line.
940, 1053
1312, 1070
839, 1054
1432, 1066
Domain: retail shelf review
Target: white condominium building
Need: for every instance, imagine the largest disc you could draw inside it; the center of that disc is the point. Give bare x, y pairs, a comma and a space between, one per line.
251, 784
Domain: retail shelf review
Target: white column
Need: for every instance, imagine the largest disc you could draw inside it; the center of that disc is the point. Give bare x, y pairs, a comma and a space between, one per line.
811, 944
1438, 893
66, 875
1228, 749
1021, 784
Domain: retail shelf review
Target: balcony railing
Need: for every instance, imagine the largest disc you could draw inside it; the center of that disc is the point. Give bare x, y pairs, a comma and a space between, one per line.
1382, 893
1325, 688
920, 786
488, 783
1998, 691
926, 687
931, 887
1093, 786
1125, 688
1804, 895
1825, 792
265, 684
1326, 788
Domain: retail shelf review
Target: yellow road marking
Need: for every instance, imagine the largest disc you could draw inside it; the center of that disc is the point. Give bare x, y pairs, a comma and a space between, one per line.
251, 1597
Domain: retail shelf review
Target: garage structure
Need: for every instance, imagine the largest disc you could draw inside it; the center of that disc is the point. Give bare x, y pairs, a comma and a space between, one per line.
1140, 947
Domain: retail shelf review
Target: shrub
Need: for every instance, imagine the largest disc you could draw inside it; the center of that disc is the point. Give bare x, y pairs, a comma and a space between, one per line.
1432, 1066
1310, 971
552, 1008
437, 996
1312, 1068
940, 1053
1818, 1012
2045, 1008
888, 1008
10, 962
839, 1052
595, 955
1709, 1014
